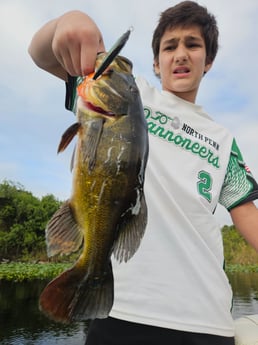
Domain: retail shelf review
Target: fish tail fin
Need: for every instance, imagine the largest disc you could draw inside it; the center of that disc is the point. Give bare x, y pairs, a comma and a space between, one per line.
72, 296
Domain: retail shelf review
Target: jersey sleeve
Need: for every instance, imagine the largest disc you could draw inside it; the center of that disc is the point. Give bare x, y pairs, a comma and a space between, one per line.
239, 186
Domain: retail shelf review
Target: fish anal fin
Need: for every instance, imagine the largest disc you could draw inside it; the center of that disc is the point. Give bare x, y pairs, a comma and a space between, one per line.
63, 235
68, 136
73, 296
130, 234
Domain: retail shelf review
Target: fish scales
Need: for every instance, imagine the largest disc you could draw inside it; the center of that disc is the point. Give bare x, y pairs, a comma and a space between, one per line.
107, 210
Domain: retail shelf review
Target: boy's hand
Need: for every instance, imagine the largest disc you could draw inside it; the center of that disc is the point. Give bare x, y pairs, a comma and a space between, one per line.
68, 44
76, 43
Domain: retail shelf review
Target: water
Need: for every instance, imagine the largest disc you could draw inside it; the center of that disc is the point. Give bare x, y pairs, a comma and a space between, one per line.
245, 291
21, 323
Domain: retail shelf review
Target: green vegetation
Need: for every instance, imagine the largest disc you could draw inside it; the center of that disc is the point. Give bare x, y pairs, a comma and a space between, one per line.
241, 268
23, 218
236, 250
20, 271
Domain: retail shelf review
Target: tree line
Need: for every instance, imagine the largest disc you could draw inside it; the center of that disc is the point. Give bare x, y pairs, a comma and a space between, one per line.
23, 219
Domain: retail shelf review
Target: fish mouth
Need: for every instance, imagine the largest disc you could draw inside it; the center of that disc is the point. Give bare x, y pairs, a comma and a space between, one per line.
97, 109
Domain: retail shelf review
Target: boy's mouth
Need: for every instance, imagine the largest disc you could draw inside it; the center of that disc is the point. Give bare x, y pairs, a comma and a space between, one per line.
181, 70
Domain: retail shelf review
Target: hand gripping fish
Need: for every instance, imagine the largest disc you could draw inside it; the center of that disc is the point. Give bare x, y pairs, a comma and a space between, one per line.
107, 209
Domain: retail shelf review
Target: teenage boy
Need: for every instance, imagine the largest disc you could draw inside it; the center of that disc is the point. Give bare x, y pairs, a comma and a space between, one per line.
174, 290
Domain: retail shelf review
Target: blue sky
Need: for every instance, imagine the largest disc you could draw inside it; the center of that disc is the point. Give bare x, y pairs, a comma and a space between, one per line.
32, 114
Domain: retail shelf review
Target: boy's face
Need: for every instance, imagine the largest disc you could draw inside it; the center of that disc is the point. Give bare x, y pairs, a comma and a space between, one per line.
182, 61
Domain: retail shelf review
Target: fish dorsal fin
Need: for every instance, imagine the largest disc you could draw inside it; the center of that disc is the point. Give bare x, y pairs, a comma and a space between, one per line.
63, 235
68, 136
130, 234
94, 131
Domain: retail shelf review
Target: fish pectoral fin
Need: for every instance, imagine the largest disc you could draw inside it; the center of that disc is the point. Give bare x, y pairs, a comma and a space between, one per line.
63, 235
68, 136
130, 234
93, 135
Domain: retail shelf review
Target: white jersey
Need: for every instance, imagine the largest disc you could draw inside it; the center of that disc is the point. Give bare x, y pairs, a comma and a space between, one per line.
176, 278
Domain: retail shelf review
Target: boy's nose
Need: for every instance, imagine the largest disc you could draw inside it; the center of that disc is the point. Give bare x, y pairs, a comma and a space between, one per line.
181, 54
181, 58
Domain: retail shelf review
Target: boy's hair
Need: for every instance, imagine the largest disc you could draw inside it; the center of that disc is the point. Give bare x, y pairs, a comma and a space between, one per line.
186, 14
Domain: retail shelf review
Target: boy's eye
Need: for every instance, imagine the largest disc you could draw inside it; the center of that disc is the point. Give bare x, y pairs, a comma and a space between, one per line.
193, 45
170, 47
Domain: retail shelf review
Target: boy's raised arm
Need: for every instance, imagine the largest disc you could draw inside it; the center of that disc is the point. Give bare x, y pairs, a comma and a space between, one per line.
67, 44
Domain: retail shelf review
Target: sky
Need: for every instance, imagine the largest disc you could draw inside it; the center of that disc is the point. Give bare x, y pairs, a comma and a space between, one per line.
32, 113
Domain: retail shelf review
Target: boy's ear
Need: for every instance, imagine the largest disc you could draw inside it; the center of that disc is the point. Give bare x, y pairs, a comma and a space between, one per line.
208, 65
156, 68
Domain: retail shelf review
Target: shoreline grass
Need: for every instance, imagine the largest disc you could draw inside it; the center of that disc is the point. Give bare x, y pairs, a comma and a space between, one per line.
247, 268
20, 271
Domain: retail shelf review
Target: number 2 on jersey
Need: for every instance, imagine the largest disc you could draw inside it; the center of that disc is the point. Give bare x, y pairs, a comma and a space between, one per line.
204, 185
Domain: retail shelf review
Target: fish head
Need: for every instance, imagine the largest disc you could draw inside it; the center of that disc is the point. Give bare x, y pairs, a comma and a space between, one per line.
111, 93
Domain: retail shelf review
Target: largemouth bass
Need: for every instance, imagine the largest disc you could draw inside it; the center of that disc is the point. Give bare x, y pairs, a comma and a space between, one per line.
107, 210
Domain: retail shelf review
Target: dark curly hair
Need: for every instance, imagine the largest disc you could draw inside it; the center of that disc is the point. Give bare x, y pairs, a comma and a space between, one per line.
186, 14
